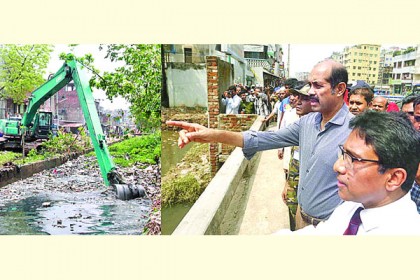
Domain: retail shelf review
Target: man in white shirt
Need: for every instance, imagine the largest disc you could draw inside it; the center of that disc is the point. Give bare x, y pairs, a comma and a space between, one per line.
376, 169
231, 100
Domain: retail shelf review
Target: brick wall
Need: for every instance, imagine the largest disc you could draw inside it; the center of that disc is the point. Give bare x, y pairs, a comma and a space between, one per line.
218, 152
233, 123
213, 101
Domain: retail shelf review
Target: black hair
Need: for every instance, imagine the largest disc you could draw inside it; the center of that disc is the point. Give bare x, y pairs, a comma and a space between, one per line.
291, 82
338, 75
408, 99
366, 92
416, 102
393, 139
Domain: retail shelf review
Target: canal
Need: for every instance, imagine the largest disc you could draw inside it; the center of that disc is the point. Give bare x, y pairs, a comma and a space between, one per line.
72, 199
172, 215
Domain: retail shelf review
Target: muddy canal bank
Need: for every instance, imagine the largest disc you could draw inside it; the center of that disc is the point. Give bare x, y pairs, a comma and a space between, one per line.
185, 172
72, 199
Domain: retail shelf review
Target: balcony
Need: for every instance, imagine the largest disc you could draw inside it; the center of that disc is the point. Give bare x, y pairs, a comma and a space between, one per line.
252, 62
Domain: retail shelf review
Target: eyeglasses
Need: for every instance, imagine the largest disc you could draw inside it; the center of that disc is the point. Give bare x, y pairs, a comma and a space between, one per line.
349, 159
417, 118
410, 113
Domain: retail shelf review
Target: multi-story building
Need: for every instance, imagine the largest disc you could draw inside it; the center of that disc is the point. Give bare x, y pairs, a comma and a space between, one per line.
302, 76
185, 75
265, 62
362, 62
385, 68
337, 56
406, 70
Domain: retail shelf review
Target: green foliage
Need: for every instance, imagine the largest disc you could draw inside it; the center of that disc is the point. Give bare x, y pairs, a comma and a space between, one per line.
32, 156
409, 50
66, 142
21, 69
8, 156
139, 81
396, 53
184, 189
143, 149
185, 182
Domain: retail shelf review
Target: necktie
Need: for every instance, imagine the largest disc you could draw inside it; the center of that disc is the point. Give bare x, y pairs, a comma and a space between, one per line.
354, 224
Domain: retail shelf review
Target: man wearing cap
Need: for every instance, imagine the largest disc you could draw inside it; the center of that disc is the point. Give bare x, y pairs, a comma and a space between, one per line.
289, 195
318, 135
360, 97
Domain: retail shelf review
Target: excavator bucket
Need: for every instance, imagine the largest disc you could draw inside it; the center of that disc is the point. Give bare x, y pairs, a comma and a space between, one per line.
127, 192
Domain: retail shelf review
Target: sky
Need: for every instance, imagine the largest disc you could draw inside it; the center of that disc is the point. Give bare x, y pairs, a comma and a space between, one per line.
100, 63
304, 56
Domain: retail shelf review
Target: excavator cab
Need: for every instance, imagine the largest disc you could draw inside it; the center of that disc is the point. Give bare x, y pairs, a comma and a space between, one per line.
42, 125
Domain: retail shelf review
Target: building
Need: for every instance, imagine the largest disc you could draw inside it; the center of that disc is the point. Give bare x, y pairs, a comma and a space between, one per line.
385, 69
265, 62
362, 63
406, 70
337, 56
185, 76
302, 76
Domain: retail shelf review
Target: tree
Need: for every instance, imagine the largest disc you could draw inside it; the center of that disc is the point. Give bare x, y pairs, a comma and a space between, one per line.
138, 81
21, 69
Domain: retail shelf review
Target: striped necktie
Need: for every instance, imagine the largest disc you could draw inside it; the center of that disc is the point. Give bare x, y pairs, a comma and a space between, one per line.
354, 224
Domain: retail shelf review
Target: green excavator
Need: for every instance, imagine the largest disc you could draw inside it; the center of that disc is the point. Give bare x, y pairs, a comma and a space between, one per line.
37, 125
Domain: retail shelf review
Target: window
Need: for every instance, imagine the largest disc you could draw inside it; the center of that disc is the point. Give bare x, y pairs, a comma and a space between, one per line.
358, 74
69, 87
354, 67
359, 68
188, 55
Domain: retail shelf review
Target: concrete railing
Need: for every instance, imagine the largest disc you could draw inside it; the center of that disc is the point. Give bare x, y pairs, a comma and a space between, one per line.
206, 215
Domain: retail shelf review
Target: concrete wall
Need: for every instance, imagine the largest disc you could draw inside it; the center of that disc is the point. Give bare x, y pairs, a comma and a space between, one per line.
207, 214
13, 173
187, 84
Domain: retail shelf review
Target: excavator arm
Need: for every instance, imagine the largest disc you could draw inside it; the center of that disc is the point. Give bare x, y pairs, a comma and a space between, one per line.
71, 70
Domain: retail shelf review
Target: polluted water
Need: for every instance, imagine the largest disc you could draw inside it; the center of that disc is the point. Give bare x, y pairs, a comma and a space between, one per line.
72, 199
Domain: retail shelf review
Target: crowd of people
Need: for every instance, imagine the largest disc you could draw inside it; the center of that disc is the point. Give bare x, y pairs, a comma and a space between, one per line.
353, 165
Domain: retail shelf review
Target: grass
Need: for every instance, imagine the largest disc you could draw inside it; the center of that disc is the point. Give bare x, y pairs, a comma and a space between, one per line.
6, 156
185, 182
143, 149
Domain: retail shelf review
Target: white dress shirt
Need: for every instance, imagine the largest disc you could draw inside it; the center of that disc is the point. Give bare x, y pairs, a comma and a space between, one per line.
232, 104
397, 218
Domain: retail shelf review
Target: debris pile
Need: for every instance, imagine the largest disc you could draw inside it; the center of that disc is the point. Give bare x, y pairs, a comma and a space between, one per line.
81, 178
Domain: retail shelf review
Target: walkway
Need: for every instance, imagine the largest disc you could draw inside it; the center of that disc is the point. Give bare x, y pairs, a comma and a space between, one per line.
265, 211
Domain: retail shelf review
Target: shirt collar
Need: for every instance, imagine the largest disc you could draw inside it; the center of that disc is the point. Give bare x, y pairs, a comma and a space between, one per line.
338, 119
379, 216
